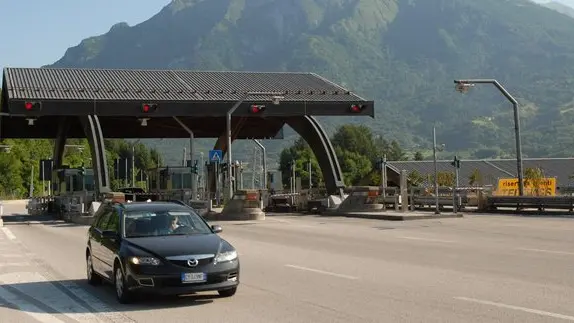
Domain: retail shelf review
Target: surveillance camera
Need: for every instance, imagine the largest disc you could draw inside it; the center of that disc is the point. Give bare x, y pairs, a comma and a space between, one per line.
143, 122
276, 100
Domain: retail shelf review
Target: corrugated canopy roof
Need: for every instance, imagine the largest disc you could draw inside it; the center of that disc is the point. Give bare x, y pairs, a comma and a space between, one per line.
168, 85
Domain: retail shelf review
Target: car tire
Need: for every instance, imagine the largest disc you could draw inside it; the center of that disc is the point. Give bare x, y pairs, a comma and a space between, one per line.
227, 292
93, 277
122, 293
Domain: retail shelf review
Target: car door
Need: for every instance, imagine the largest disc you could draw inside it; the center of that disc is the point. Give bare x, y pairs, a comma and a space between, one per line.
111, 246
98, 254
94, 238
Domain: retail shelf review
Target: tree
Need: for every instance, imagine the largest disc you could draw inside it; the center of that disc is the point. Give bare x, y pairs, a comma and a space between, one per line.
446, 178
24, 155
354, 165
419, 156
415, 178
534, 177
358, 152
300, 153
357, 139
475, 178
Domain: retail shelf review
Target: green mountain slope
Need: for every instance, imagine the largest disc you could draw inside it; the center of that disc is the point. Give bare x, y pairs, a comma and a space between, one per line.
403, 54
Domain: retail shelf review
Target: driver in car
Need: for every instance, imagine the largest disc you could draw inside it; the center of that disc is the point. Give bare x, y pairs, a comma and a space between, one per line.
173, 224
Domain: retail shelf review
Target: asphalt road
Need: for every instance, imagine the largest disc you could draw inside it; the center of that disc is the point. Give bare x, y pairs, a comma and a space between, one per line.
312, 269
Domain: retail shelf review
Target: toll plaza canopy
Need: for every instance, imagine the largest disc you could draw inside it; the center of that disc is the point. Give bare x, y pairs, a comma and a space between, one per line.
104, 103
122, 98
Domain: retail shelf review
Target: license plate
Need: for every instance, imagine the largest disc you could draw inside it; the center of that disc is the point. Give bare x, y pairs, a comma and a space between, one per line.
193, 277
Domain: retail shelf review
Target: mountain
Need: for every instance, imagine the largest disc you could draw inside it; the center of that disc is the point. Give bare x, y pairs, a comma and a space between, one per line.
560, 7
402, 53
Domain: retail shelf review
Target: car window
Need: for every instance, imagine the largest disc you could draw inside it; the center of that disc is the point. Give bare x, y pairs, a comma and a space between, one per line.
114, 221
98, 216
163, 223
105, 218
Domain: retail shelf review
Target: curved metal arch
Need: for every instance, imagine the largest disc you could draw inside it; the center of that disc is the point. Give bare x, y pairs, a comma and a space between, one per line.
93, 132
312, 132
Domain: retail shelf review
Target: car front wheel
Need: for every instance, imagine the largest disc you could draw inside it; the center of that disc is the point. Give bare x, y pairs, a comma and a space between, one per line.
93, 278
122, 293
227, 292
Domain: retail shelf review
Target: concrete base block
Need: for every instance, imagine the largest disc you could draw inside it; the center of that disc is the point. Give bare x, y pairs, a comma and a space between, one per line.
395, 216
247, 214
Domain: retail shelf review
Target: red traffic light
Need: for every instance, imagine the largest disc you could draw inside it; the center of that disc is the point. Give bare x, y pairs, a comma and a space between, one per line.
148, 107
257, 108
29, 106
356, 108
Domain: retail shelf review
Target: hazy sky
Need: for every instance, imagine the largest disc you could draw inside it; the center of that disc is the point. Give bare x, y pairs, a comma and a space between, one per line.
566, 2
38, 32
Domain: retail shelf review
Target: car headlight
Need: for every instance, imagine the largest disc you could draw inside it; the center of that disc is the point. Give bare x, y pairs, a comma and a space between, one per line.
226, 256
149, 261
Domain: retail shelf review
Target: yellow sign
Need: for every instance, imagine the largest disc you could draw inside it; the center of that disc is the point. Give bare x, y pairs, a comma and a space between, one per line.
541, 187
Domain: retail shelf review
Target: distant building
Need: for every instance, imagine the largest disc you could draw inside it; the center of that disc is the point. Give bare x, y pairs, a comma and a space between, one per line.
490, 169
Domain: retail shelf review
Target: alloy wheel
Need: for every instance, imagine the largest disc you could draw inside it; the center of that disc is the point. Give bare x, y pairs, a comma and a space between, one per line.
119, 282
89, 267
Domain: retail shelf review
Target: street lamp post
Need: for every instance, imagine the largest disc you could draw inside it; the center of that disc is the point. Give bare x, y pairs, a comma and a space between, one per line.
464, 85
275, 97
434, 149
134, 162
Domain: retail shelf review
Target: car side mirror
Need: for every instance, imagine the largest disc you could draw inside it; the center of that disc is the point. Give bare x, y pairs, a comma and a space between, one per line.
216, 228
108, 234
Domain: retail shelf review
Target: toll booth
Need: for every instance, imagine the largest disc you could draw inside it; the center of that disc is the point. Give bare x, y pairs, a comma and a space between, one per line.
217, 174
74, 189
171, 183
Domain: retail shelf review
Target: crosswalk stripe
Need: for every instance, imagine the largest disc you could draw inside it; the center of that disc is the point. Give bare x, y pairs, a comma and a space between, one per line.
37, 287
28, 308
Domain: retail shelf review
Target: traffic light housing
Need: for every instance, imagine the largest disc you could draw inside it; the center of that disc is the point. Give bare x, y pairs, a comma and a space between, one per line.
194, 168
223, 167
257, 108
455, 163
149, 107
32, 106
356, 108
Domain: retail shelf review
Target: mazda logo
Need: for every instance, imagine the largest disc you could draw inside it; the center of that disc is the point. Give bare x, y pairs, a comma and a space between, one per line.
192, 262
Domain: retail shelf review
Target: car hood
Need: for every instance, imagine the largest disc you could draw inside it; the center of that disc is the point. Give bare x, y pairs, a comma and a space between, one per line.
178, 245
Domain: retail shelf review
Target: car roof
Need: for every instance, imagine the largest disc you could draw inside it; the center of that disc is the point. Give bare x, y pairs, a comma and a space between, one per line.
154, 206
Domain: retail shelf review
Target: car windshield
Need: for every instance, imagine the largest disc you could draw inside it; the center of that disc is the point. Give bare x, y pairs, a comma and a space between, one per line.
150, 223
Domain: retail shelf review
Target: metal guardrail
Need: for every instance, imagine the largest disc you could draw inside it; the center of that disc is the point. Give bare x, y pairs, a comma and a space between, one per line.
531, 202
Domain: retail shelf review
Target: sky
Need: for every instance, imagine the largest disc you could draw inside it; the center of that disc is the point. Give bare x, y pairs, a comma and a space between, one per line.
38, 32
565, 2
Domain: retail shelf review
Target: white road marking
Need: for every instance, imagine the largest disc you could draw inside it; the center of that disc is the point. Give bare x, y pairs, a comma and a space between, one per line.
548, 251
427, 239
100, 307
28, 308
35, 285
13, 255
518, 308
321, 272
8, 233
15, 264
